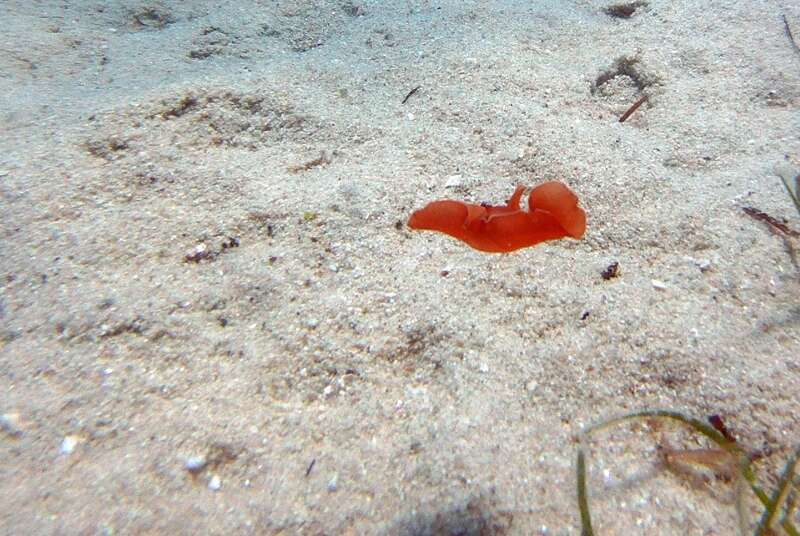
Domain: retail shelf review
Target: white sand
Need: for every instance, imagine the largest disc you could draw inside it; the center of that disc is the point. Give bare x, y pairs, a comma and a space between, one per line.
134, 133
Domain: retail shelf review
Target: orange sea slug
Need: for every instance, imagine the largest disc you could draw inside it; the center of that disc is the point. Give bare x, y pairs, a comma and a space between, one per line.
553, 213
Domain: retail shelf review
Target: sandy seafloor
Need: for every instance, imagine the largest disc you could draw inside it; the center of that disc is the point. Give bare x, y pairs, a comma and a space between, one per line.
436, 389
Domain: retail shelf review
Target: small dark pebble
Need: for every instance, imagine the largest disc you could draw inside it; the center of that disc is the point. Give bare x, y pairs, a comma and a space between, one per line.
232, 242
611, 271
197, 257
200, 253
625, 10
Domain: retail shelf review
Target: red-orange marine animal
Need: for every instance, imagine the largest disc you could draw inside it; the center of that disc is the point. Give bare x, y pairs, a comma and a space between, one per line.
553, 213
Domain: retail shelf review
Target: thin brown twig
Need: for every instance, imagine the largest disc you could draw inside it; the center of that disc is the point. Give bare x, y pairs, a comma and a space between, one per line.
633, 108
769, 220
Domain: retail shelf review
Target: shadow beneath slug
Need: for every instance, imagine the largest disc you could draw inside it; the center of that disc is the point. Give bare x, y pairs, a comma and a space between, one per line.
473, 518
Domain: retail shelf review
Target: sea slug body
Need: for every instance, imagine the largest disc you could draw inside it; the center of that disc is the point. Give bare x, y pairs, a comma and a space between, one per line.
553, 213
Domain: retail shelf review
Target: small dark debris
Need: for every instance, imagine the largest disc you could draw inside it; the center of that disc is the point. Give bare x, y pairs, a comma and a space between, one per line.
410, 93
633, 108
444, 273
719, 426
231, 242
671, 381
116, 144
611, 271
624, 10
106, 148
774, 223
585, 315
311, 466
200, 253
203, 253
305, 44
398, 225
222, 321
322, 160
212, 29
201, 54
272, 259
184, 105
135, 326
789, 33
